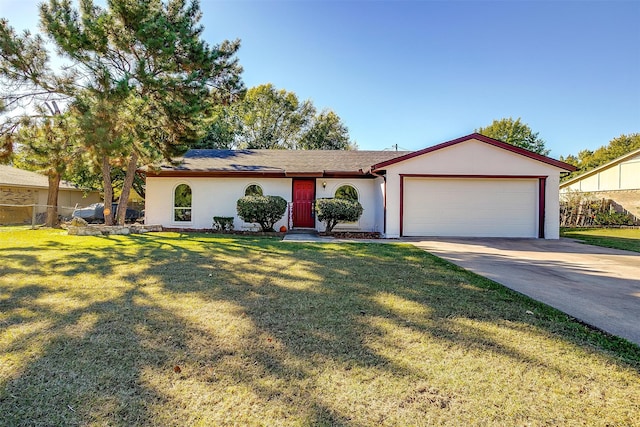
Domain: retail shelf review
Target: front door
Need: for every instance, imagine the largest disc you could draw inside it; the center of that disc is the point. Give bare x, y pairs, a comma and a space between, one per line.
304, 191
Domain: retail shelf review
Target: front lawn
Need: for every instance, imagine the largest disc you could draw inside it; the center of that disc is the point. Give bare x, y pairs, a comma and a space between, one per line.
194, 329
617, 238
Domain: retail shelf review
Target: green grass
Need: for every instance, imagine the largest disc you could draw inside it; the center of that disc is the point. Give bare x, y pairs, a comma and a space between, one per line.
264, 332
618, 238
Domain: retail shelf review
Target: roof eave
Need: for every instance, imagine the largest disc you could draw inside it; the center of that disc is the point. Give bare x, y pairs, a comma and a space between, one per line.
183, 173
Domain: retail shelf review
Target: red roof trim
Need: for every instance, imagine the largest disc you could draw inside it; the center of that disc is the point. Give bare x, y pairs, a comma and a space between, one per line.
303, 174
217, 174
482, 138
242, 174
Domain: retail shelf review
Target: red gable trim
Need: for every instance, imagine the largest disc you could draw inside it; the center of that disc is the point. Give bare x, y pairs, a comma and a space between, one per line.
482, 138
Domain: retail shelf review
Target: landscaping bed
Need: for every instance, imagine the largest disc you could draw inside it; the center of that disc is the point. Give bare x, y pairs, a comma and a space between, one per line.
352, 235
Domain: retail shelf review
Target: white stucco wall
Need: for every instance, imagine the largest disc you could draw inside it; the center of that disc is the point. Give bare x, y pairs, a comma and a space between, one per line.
367, 189
474, 158
211, 197
218, 197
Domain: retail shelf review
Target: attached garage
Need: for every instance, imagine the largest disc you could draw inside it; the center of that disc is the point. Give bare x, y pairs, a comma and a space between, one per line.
472, 186
470, 206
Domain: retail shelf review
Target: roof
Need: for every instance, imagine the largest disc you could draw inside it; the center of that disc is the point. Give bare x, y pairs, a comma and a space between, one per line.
314, 163
481, 138
11, 176
277, 162
591, 172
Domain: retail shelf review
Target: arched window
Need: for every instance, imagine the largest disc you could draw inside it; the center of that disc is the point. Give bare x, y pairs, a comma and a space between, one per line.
253, 190
346, 192
182, 203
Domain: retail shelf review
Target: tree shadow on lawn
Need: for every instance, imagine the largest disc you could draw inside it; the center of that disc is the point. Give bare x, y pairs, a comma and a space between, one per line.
259, 328
107, 360
321, 303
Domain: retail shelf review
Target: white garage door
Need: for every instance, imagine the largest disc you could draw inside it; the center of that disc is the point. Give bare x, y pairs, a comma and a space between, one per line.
492, 207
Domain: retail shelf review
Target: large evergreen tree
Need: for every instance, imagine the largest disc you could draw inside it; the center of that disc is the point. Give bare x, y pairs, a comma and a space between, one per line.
139, 80
48, 146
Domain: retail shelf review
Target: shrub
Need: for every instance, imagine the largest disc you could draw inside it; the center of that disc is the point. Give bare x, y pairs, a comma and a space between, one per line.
264, 210
613, 218
334, 211
223, 223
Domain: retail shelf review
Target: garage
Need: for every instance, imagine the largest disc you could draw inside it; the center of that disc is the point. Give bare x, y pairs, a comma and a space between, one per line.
470, 206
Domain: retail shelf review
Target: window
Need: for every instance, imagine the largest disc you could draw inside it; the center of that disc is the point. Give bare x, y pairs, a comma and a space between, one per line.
253, 190
182, 203
346, 192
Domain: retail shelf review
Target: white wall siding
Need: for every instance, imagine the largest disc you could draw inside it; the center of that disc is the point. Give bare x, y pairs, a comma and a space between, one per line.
367, 196
211, 197
619, 176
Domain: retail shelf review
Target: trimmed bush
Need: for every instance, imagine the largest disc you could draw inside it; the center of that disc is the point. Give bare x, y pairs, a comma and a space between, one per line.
264, 210
334, 211
223, 223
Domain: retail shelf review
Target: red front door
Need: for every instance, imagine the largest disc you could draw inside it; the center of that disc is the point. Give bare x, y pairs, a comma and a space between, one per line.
304, 191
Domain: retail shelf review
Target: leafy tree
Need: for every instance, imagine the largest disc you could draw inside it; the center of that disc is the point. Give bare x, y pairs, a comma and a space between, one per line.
272, 118
222, 127
266, 117
139, 82
326, 133
516, 133
586, 160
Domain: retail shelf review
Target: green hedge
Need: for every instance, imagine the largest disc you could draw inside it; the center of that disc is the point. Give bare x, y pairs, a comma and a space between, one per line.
613, 218
264, 210
334, 211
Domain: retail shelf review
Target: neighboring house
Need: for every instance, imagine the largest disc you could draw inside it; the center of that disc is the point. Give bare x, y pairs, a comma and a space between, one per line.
618, 180
471, 186
24, 189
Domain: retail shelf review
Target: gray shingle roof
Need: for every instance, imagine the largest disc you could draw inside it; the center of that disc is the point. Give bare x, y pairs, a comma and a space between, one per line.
281, 161
11, 176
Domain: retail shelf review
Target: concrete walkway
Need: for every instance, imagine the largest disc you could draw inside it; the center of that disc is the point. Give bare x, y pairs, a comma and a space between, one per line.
315, 237
597, 285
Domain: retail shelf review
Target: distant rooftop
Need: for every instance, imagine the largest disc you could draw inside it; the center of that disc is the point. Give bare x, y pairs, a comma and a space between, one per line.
15, 177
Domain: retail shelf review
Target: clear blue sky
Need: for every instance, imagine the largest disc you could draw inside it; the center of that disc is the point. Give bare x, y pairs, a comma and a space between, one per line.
417, 73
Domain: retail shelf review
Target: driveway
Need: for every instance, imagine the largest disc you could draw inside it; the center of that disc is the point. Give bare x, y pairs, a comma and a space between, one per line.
597, 285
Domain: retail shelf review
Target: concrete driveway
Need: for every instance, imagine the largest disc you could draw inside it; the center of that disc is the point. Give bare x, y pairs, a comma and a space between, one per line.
597, 285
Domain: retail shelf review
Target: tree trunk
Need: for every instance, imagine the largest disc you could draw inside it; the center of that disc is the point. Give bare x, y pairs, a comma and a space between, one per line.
108, 190
52, 200
126, 188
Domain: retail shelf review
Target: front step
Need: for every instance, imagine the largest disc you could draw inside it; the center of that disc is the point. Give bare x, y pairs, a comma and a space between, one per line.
310, 231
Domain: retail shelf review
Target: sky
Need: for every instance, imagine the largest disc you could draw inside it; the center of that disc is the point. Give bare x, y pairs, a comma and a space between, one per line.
418, 73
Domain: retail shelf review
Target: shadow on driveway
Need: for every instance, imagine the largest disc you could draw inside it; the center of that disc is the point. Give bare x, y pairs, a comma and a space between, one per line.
596, 285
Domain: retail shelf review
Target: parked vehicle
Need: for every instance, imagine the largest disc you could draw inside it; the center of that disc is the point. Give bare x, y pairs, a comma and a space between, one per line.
95, 213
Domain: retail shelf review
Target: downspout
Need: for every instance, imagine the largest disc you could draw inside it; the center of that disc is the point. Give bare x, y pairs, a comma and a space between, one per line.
384, 200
